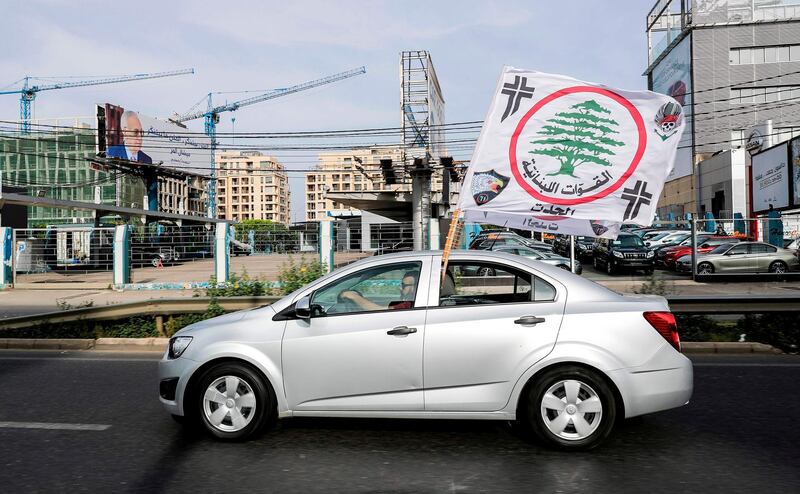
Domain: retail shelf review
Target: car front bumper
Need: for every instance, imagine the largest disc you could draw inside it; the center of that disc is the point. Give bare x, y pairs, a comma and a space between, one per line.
169, 370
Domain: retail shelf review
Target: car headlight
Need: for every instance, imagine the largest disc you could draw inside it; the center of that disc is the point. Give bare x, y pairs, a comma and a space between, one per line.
178, 345
618, 254
650, 253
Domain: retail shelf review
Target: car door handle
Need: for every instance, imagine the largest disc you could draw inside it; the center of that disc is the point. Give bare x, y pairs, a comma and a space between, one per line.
526, 320
401, 330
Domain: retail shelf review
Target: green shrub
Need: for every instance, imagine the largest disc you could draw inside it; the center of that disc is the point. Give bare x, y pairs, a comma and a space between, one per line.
238, 286
779, 329
695, 327
294, 275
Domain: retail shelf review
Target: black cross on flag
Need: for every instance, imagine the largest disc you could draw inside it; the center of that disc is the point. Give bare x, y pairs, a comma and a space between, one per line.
636, 197
515, 91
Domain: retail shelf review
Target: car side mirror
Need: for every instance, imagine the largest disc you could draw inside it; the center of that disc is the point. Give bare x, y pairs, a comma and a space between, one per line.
302, 308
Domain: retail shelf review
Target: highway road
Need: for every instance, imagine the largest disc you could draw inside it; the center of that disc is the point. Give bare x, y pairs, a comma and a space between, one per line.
91, 421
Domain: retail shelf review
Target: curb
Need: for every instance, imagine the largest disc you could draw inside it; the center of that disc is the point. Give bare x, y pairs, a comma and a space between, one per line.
104, 344
729, 347
160, 345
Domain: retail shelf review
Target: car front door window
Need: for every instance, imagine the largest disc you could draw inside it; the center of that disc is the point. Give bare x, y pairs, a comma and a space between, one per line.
392, 286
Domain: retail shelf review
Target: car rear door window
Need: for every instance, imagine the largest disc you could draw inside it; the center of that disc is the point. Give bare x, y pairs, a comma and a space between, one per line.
473, 283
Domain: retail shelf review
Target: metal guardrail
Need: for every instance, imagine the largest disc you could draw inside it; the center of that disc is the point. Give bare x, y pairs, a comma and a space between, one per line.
153, 307
679, 304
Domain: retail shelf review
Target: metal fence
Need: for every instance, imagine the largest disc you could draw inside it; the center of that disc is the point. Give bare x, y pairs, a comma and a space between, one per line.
171, 254
59, 254
276, 239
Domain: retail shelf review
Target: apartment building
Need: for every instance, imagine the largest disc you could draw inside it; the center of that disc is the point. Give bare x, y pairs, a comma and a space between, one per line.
250, 186
355, 170
187, 195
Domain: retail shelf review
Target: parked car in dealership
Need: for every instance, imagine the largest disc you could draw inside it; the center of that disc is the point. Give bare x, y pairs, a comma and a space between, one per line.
494, 239
545, 257
708, 244
583, 246
391, 337
661, 251
667, 237
743, 257
626, 252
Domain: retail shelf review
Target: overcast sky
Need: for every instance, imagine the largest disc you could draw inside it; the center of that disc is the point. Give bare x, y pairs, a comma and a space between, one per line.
250, 45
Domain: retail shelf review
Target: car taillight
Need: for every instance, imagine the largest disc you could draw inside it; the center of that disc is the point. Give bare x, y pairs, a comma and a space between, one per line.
664, 323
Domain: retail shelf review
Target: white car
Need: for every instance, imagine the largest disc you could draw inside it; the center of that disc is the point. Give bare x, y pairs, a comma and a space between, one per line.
389, 336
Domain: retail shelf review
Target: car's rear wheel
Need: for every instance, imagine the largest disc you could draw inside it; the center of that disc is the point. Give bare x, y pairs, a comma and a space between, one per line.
571, 408
778, 267
485, 271
705, 268
232, 402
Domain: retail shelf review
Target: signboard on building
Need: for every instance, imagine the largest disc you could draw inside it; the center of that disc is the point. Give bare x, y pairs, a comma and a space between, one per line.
770, 180
673, 76
131, 136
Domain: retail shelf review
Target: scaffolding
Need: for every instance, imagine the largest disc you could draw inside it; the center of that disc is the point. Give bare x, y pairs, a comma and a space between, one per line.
421, 107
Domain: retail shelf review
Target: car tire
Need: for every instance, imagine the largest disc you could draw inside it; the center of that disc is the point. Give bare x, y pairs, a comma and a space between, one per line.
778, 267
609, 267
237, 413
648, 271
705, 268
596, 264
570, 408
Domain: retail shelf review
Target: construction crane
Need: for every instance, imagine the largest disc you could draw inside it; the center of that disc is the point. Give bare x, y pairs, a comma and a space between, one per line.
27, 93
211, 118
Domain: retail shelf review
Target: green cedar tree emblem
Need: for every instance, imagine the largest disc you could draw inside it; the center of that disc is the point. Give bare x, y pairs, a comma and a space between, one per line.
579, 136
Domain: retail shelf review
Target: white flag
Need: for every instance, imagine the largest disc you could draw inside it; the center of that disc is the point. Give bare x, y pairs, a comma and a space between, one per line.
561, 155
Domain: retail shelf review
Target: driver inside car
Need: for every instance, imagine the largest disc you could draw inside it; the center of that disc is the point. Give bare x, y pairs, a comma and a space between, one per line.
408, 287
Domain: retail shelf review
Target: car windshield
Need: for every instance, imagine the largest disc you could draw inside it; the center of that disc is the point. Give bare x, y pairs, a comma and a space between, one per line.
628, 241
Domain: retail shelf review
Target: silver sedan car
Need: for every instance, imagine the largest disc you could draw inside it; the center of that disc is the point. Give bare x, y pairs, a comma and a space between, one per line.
392, 336
742, 257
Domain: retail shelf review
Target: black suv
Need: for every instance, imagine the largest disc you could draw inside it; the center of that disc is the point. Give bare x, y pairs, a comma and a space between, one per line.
583, 246
626, 252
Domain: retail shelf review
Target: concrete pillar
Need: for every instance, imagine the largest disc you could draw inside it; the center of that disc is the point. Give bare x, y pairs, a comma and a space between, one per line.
6, 256
421, 202
122, 255
325, 244
222, 252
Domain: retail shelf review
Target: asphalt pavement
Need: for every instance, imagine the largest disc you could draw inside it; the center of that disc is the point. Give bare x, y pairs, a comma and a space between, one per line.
91, 421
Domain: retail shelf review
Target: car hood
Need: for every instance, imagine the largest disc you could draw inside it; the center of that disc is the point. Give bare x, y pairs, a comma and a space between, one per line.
226, 320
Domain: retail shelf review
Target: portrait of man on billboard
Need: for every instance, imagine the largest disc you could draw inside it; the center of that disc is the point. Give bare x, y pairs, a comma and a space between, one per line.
131, 146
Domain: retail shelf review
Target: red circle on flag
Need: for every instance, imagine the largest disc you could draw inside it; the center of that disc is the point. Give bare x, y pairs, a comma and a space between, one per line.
637, 157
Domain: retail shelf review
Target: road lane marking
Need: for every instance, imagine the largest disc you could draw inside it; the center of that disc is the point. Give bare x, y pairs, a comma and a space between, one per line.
53, 426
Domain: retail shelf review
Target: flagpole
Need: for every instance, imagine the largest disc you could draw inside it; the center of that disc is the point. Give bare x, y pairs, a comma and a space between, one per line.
453, 236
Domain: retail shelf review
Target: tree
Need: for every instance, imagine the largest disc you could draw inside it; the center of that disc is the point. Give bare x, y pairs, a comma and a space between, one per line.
582, 135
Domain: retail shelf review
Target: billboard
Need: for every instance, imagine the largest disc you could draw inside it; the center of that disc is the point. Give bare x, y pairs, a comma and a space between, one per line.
795, 171
131, 136
770, 182
673, 77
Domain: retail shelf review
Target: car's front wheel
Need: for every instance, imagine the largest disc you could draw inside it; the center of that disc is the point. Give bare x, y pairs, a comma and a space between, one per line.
571, 408
232, 402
